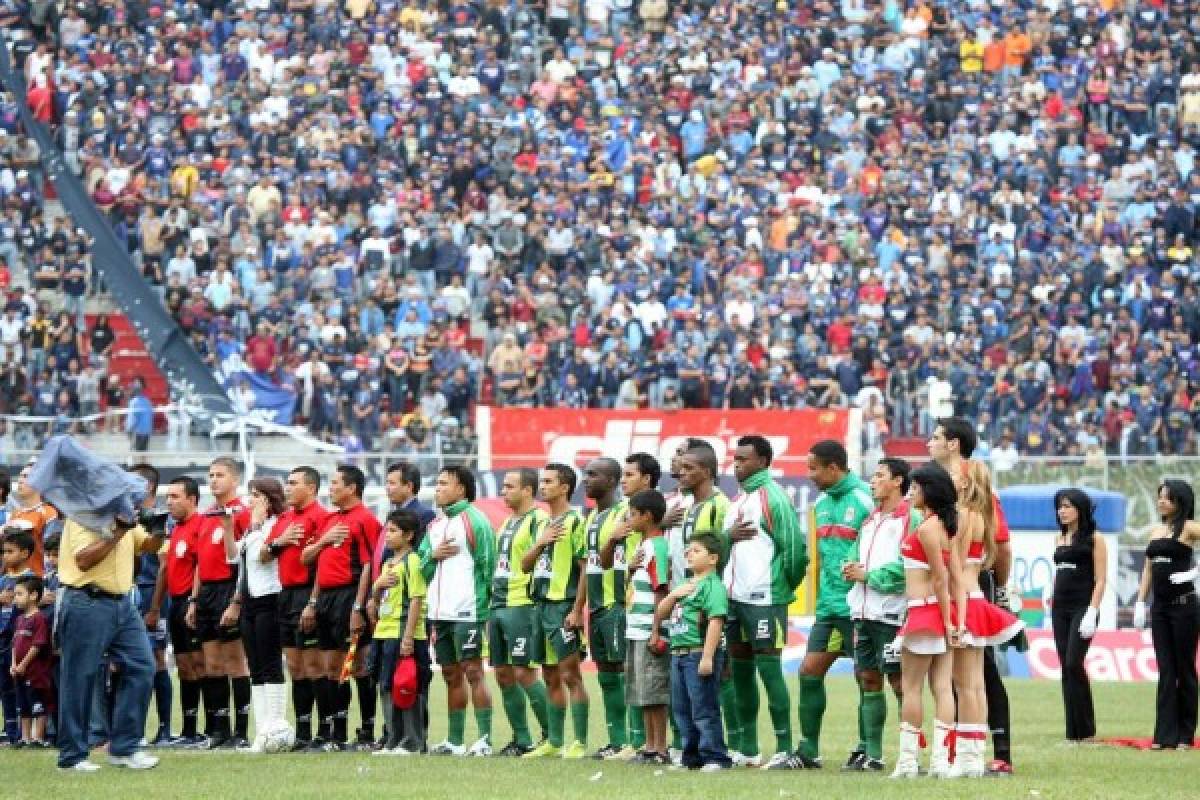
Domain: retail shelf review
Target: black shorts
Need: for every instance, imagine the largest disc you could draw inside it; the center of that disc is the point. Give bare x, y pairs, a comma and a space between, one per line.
334, 607
292, 601
33, 701
214, 599
184, 640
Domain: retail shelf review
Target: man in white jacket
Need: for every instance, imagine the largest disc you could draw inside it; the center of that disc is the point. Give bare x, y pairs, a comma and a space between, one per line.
877, 604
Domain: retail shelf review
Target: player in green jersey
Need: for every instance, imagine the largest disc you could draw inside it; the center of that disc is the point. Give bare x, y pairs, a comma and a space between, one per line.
698, 477
511, 624
838, 515
606, 595
555, 562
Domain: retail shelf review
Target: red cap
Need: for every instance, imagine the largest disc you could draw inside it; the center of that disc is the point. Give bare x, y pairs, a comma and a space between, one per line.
404, 682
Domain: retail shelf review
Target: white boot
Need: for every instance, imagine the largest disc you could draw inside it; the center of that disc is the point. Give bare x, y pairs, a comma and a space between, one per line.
977, 768
258, 699
910, 746
939, 760
968, 762
277, 699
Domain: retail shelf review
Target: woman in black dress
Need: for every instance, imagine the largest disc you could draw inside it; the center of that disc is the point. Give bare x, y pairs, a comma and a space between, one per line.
1175, 615
1080, 571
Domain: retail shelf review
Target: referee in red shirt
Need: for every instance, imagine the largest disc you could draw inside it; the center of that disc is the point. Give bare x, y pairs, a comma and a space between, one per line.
176, 580
215, 613
335, 610
295, 530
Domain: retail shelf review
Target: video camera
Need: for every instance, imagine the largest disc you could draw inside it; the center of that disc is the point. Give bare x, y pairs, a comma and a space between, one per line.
154, 521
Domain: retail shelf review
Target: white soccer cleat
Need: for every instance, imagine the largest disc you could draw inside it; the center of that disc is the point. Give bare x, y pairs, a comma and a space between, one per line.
482, 747
259, 745
135, 760
393, 751
447, 748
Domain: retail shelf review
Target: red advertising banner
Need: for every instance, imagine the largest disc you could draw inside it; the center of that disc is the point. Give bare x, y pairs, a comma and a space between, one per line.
1122, 655
517, 437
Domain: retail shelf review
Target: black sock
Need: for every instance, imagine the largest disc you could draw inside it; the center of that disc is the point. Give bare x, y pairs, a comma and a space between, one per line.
341, 710
302, 702
162, 700
208, 692
189, 699
219, 688
241, 705
326, 700
366, 707
999, 719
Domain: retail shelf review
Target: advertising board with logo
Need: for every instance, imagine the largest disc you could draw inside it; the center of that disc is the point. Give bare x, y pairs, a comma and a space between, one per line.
1126, 656
518, 437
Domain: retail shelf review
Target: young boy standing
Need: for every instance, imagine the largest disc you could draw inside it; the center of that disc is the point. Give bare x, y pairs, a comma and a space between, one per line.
32, 661
400, 632
647, 670
697, 610
17, 551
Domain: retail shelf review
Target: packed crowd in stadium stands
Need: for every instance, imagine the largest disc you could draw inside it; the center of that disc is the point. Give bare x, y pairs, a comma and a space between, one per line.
402, 208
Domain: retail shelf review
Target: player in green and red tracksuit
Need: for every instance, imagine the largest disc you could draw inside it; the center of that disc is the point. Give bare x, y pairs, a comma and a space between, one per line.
768, 559
458, 561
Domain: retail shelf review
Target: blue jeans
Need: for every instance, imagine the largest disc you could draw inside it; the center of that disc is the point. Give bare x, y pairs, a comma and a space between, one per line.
697, 710
86, 628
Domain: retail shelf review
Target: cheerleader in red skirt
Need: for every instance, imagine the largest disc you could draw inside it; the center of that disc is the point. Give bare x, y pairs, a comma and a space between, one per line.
922, 640
977, 623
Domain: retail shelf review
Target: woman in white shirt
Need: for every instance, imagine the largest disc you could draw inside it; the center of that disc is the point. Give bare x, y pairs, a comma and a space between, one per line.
258, 596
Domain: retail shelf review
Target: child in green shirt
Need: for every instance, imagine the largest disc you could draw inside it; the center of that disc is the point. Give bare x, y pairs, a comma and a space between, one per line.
400, 632
696, 611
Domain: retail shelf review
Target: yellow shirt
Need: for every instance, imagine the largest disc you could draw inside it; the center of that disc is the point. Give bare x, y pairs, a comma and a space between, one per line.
184, 179
114, 573
394, 605
970, 54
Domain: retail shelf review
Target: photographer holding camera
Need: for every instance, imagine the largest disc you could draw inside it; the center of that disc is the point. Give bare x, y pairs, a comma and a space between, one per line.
146, 570
96, 615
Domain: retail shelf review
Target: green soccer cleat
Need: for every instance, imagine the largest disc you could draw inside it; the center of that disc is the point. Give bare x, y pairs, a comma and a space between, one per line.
544, 750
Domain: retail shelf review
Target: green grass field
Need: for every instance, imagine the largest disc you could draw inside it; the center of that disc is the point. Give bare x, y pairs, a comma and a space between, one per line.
1045, 770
